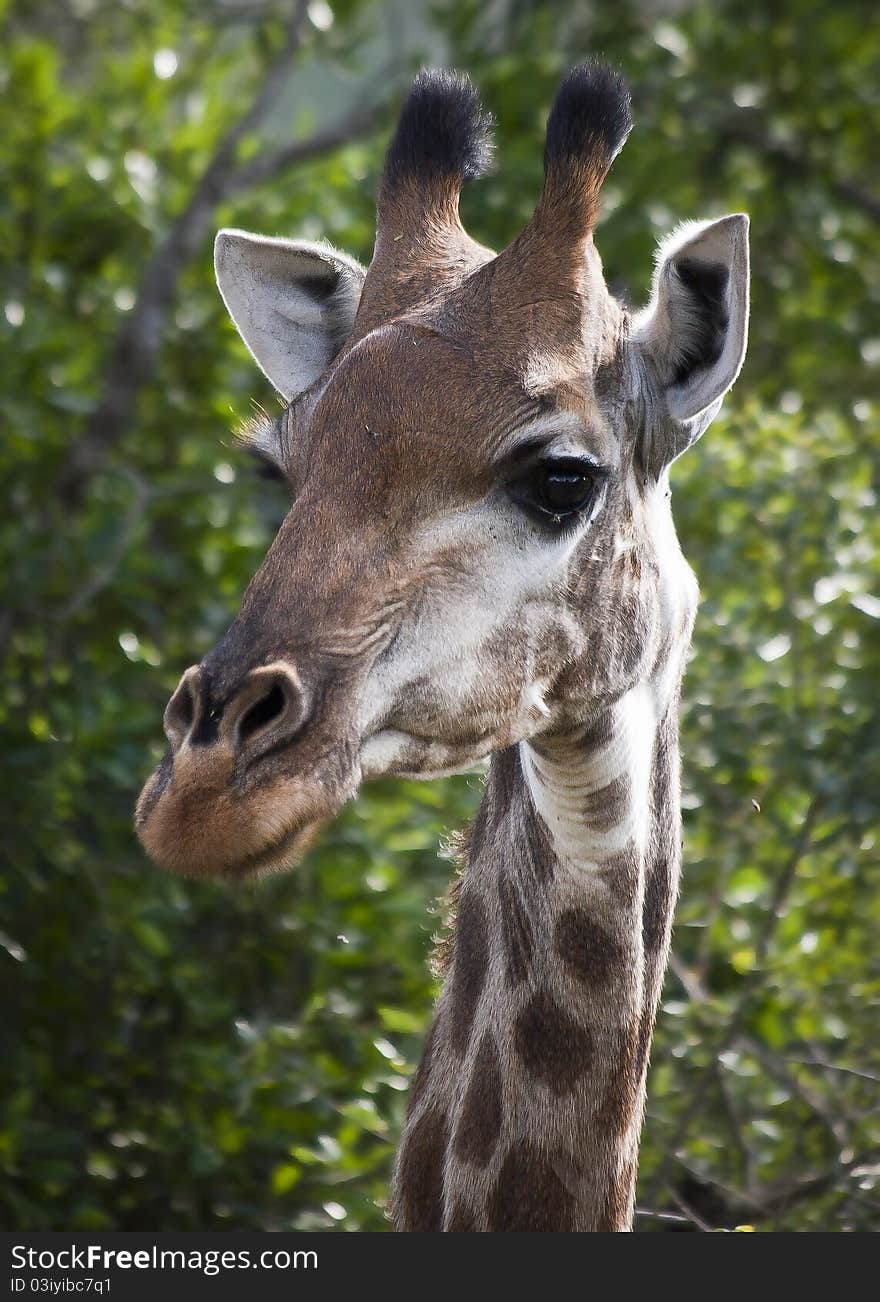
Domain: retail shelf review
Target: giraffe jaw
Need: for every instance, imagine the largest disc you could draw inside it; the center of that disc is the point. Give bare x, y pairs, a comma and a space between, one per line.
392, 752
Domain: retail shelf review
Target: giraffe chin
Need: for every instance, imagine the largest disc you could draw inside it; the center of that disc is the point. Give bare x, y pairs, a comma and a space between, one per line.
207, 831
280, 856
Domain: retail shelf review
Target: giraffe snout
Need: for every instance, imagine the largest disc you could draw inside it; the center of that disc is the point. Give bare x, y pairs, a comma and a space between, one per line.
210, 808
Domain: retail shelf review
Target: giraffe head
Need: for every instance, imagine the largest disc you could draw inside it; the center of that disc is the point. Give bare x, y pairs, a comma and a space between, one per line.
479, 547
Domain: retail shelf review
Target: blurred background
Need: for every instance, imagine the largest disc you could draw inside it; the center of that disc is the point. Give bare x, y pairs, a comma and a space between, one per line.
185, 1056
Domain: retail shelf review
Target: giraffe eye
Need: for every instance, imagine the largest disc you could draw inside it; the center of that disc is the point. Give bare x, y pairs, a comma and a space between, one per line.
558, 491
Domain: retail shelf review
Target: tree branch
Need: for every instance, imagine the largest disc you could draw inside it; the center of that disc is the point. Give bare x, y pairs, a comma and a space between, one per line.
358, 122
735, 1022
820, 1063
103, 574
133, 354
749, 127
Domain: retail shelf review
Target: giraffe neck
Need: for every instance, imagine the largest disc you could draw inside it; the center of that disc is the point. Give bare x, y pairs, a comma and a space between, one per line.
527, 1107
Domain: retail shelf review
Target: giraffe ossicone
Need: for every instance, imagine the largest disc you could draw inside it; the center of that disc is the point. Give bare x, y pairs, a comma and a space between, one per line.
479, 560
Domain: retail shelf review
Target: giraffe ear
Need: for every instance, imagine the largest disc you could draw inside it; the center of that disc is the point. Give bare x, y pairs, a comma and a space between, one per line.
293, 303
693, 332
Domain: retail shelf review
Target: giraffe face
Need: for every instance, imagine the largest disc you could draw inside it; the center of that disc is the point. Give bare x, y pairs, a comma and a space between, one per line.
479, 547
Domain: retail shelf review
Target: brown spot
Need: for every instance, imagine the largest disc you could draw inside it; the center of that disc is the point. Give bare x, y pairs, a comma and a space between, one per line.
531, 848
658, 905
618, 1105
516, 931
605, 808
622, 1097
480, 1123
420, 1080
597, 733
621, 873
615, 1213
461, 1220
529, 1196
552, 1046
420, 1175
586, 947
470, 949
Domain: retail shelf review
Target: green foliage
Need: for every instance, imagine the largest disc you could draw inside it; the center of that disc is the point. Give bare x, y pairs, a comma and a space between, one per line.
182, 1056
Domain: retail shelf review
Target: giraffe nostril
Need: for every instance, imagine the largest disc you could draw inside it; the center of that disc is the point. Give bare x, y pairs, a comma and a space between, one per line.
186, 710
263, 712
180, 712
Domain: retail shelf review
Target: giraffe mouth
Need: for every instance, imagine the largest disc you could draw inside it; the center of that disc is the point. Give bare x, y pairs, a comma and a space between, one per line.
198, 828
192, 823
282, 853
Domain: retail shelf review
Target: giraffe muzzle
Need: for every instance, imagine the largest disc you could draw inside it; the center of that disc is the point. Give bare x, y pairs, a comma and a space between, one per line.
240, 792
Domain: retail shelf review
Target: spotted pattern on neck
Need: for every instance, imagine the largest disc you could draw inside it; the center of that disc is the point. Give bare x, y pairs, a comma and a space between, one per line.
528, 1104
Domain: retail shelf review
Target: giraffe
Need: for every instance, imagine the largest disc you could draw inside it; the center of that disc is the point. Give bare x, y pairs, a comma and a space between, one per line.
479, 560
